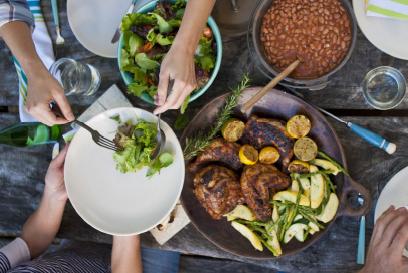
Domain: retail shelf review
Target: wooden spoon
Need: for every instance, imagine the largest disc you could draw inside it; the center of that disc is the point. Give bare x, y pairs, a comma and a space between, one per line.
248, 104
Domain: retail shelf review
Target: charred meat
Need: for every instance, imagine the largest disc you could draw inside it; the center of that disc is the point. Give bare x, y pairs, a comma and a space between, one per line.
261, 132
258, 183
218, 151
218, 190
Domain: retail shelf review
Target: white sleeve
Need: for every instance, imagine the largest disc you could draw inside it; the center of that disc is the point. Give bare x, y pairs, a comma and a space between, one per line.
16, 252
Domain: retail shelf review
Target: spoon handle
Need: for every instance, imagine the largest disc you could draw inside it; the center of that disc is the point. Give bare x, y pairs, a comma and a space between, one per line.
361, 241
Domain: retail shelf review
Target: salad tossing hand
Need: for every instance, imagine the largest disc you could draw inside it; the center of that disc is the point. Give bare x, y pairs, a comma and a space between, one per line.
178, 64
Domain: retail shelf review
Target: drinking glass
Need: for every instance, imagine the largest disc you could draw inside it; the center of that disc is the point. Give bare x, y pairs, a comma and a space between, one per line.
75, 77
384, 87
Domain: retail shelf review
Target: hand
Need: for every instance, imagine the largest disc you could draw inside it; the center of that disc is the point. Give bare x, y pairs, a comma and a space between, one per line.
388, 242
42, 89
54, 179
178, 64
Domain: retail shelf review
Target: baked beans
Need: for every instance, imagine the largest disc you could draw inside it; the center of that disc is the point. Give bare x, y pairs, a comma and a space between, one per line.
318, 32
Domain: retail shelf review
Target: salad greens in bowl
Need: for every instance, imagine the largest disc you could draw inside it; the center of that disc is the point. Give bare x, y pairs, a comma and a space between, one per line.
146, 37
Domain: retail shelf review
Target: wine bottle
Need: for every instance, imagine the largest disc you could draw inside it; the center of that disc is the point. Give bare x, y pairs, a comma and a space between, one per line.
26, 134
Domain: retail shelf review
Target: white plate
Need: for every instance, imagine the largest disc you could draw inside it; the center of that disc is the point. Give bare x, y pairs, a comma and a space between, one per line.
388, 35
116, 203
94, 22
394, 193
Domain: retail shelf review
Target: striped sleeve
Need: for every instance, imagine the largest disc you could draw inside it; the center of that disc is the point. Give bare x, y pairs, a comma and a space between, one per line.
4, 263
15, 10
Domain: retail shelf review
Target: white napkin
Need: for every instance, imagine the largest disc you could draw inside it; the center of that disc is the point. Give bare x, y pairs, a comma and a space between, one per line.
393, 9
43, 46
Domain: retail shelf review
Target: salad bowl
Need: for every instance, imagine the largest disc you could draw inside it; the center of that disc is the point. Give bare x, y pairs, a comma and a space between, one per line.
128, 78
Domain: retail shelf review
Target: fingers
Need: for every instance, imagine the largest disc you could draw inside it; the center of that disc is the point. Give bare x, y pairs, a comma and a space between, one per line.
400, 240
60, 159
63, 104
45, 115
381, 224
176, 98
162, 88
400, 219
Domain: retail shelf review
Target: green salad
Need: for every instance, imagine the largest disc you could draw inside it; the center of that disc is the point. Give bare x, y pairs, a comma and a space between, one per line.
148, 37
137, 142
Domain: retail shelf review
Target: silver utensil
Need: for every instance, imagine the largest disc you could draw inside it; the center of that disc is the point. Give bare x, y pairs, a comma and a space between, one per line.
161, 136
116, 35
361, 235
99, 139
59, 40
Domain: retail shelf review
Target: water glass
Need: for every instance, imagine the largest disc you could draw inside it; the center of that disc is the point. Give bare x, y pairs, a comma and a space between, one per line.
384, 87
75, 77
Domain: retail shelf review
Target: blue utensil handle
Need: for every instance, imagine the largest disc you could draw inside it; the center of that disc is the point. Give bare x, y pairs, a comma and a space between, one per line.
372, 138
54, 7
361, 242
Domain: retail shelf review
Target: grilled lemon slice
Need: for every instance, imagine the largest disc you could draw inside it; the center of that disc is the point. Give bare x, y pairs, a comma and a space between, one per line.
268, 155
305, 149
248, 155
298, 126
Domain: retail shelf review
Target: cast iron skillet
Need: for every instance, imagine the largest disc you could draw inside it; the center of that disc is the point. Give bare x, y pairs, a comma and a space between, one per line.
275, 104
254, 31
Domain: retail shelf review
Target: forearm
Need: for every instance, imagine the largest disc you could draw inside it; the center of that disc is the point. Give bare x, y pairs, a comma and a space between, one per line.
194, 20
17, 35
126, 255
41, 227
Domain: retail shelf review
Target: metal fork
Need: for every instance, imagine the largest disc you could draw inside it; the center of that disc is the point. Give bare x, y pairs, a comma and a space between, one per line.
98, 138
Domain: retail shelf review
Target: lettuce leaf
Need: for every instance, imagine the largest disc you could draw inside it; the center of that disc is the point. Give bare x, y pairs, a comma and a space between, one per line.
145, 62
164, 26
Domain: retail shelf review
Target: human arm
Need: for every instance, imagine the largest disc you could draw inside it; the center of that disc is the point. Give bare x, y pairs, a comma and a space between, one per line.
41, 227
178, 64
126, 254
390, 236
42, 88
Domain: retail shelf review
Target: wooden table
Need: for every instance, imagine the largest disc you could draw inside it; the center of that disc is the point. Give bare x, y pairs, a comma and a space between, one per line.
22, 170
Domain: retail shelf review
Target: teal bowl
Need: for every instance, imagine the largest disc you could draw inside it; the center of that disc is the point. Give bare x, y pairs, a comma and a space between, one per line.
128, 79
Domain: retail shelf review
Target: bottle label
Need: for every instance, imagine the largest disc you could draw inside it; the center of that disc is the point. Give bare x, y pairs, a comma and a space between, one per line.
41, 136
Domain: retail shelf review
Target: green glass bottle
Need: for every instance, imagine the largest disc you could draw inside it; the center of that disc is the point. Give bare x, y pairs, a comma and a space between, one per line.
26, 134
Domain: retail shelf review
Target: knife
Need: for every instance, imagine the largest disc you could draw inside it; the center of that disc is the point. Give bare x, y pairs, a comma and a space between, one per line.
116, 35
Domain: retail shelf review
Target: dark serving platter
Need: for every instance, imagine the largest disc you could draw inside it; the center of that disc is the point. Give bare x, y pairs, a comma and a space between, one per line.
281, 105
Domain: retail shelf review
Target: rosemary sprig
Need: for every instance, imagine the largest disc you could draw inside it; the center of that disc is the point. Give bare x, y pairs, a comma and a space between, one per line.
200, 141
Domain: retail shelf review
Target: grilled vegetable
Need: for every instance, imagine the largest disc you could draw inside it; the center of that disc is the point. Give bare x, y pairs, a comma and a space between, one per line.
275, 214
298, 126
295, 186
291, 197
273, 243
249, 234
327, 165
313, 228
248, 155
268, 155
296, 230
317, 188
240, 212
305, 149
298, 166
232, 130
330, 209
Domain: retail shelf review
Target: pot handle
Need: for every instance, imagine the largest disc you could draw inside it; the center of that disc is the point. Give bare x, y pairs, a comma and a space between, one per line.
353, 187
